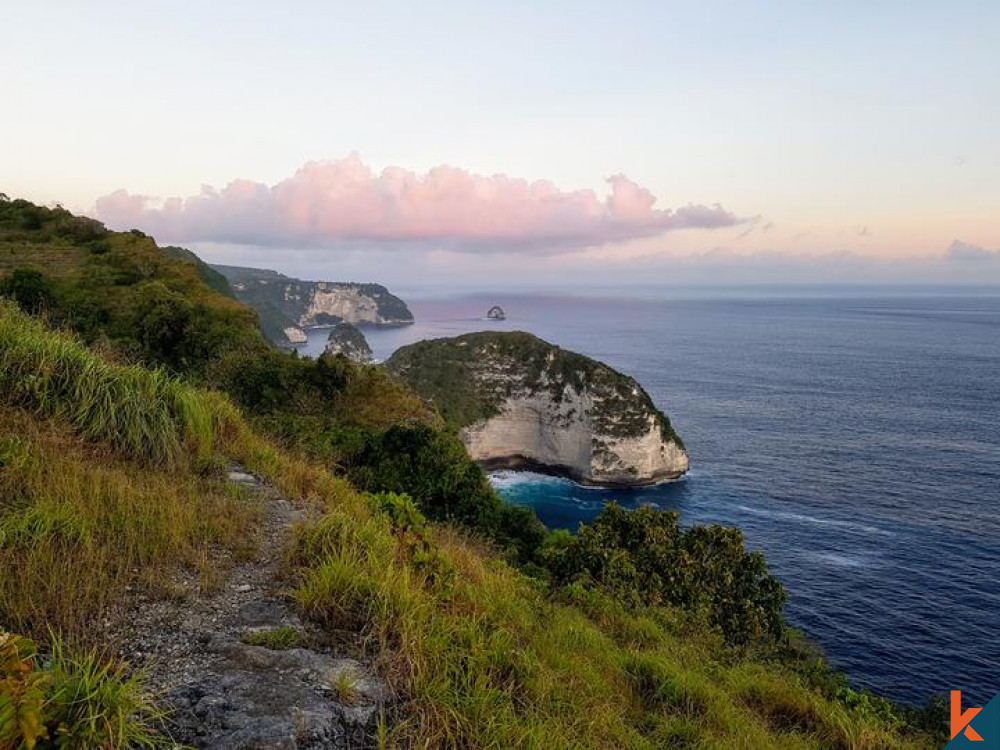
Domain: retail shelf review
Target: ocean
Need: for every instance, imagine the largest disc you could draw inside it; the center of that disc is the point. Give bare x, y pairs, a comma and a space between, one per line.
853, 435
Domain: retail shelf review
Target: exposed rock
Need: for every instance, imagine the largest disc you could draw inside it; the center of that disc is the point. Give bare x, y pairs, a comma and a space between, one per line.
347, 340
295, 335
225, 693
496, 313
521, 402
237, 476
282, 302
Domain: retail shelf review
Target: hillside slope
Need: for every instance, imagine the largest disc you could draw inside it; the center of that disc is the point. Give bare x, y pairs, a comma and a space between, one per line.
120, 287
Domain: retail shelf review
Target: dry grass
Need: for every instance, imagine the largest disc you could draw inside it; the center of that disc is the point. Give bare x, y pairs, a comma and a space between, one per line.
61, 261
79, 524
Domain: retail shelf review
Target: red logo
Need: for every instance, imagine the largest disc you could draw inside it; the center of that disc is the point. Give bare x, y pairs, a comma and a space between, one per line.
959, 720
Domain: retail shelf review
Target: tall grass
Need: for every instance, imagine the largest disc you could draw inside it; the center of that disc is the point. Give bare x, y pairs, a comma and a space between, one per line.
103, 490
143, 413
78, 525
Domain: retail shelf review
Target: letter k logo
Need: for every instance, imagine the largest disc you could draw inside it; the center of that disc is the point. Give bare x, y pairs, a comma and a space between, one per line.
960, 721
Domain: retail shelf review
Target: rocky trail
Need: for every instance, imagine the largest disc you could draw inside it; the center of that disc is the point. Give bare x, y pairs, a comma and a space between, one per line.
300, 690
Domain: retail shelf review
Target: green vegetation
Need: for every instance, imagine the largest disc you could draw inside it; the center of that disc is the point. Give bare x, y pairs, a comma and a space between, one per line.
71, 700
117, 288
345, 687
141, 412
347, 340
468, 378
487, 659
212, 278
105, 465
276, 639
29, 289
620, 637
643, 557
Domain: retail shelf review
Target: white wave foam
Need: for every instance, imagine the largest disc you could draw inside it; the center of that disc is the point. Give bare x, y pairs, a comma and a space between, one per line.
510, 478
845, 561
802, 518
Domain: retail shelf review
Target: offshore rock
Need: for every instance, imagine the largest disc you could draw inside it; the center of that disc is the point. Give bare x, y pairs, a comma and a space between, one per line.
520, 402
347, 340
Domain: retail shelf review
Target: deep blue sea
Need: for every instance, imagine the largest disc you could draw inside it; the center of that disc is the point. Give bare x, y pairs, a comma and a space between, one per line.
854, 437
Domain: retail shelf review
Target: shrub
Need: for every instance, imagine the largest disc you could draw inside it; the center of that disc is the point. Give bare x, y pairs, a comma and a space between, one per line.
162, 322
29, 288
644, 558
431, 465
22, 693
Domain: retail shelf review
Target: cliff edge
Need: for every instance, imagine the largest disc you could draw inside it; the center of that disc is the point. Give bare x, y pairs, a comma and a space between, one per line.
287, 306
520, 402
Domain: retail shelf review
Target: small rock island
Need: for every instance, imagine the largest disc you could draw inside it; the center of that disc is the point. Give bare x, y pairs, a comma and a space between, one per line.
345, 339
522, 403
496, 313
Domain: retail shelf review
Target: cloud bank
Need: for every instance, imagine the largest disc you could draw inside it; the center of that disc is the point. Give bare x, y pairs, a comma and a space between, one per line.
963, 251
335, 204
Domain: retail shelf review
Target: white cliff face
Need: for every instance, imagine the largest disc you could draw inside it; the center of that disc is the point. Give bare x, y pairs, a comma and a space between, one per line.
520, 402
284, 303
295, 335
535, 429
344, 303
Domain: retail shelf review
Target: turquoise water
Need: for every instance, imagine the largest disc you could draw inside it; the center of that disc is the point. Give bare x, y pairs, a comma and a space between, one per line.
855, 439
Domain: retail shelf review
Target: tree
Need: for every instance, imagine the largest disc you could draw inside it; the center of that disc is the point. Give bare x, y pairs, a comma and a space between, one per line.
162, 319
643, 557
29, 288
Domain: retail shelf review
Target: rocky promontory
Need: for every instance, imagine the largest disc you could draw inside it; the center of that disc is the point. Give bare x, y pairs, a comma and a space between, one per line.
347, 340
520, 402
287, 307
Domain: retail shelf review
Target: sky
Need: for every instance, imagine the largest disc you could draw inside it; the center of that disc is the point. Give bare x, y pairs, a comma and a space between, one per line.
542, 143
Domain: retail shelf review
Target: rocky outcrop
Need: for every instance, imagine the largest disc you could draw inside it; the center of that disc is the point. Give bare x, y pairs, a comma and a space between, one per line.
521, 402
347, 340
282, 302
496, 313
295, 335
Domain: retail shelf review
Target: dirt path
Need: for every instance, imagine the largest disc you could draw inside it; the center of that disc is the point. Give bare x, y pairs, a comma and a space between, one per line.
226, 694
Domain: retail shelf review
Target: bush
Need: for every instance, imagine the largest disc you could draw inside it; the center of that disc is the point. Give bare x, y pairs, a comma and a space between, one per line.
29, 288
432, 466
644, 558
162, 323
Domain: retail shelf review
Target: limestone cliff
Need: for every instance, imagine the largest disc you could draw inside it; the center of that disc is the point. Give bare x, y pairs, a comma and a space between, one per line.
347, 340
521, 402
284, 303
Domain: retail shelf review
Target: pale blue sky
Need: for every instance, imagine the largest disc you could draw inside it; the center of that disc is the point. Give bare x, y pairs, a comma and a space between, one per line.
861, 127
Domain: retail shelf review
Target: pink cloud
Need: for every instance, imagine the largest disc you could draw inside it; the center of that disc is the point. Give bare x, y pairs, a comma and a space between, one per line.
327, 204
